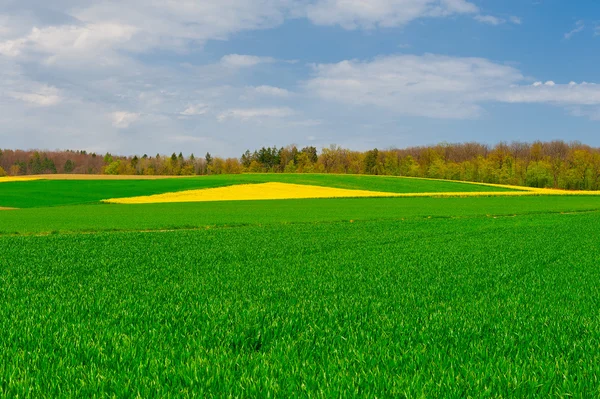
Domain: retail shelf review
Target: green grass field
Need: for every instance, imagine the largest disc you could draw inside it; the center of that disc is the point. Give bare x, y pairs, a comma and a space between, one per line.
373, 297
148, 217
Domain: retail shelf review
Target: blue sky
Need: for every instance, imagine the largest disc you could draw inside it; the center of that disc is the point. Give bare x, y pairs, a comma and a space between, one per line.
138, 76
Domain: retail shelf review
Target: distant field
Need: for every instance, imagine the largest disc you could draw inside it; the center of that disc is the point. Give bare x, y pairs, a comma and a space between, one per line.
69, 192
355, 297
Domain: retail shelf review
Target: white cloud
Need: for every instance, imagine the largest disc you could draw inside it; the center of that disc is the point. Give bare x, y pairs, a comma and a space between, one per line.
270, 91
244, 61
439, 86
101, 33
255, 113
352, 14
592, 113
306, 123
197, 109
94, 43
123, 120
516, 20
168, 23
579, 26
430, 85
45, 96
489, 19
571, 94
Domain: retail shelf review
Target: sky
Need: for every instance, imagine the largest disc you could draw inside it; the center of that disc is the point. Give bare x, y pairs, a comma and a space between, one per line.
222, 76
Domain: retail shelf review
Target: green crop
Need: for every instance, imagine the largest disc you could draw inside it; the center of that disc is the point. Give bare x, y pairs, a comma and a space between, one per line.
370, 297
452, 308
103, 217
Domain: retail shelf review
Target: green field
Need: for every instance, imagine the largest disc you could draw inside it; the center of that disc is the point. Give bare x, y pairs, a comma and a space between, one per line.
372, 297
147, 217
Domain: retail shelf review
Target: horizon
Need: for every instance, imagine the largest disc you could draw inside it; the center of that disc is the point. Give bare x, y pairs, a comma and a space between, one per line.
124, 78
491, 147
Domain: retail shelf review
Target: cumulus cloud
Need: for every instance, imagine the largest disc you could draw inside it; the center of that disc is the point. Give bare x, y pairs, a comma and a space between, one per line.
430, 85
44, 96
270, 91
196, 109
244, 61
592, 113
439, 86
94, 43
495, 21
100, 33
169, 23
571, 94
352, 14
123, 119
255, 113
516, 20
489, 19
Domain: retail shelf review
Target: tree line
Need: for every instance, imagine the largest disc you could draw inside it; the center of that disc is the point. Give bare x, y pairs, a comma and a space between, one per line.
554, 164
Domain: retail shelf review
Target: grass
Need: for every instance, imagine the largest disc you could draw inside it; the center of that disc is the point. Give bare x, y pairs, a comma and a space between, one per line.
475, 307
371, 297
93, 218
44, 193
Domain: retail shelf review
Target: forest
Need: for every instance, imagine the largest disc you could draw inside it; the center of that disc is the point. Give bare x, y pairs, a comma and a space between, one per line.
554, 164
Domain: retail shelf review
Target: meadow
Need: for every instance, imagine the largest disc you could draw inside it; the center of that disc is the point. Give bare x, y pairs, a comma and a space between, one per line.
354, 297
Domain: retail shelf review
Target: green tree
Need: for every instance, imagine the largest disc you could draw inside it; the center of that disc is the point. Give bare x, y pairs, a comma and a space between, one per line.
246, 159
290, 167
539, 174
312, 154
113, 168
69, 166
370, 161
304, 164
35, 164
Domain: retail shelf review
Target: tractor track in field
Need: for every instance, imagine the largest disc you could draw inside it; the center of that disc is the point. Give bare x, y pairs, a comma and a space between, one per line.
242, 225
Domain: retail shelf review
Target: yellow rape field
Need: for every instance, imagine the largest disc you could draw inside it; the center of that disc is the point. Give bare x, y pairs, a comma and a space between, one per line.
271, 191
244, 192
105, 177
8, 179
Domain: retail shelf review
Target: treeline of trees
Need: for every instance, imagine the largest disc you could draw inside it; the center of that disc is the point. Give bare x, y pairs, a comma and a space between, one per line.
19, 163
555, 164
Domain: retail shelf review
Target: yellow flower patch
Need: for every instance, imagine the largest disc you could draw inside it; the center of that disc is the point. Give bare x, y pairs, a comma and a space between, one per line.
245, 192
9, 179
272, 191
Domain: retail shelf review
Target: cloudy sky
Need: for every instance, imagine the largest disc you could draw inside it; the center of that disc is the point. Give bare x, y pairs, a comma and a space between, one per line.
148, 76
